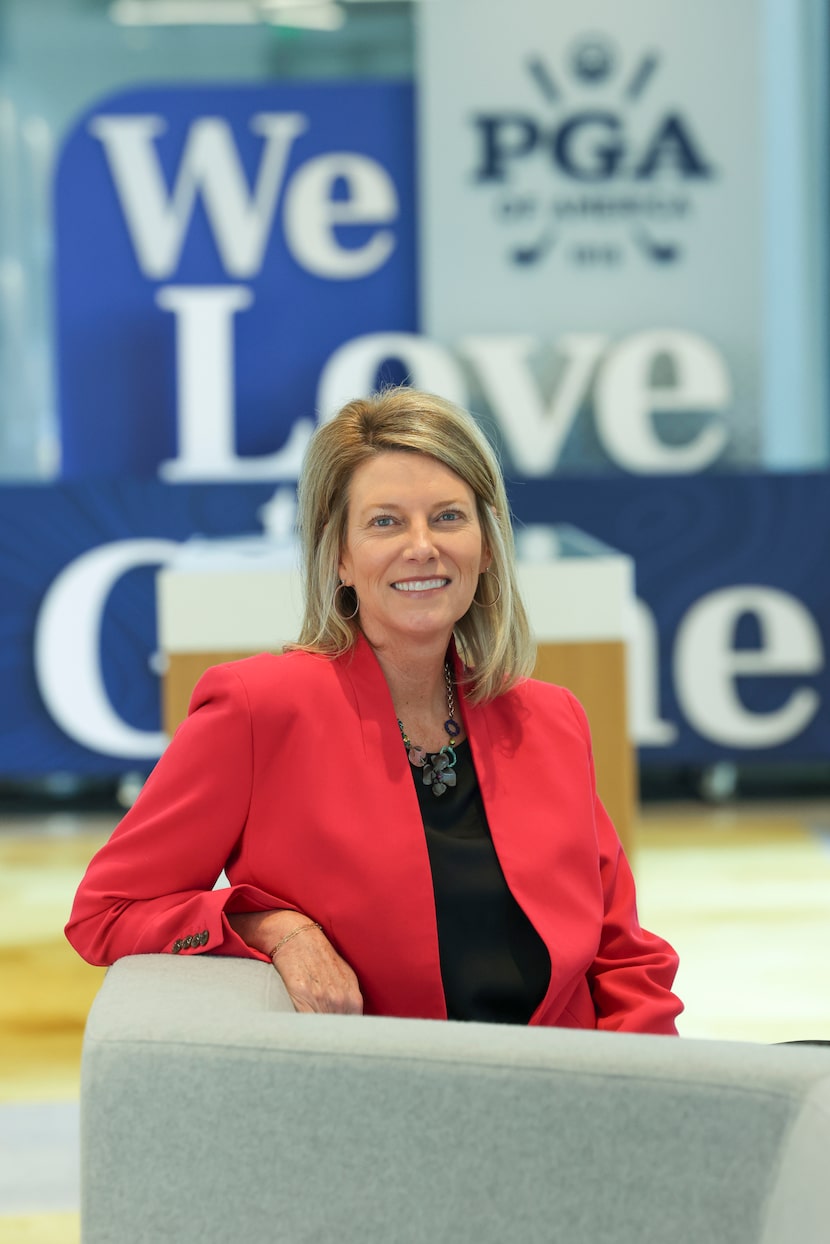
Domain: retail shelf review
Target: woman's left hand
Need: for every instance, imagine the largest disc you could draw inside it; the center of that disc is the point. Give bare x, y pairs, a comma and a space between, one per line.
316, 977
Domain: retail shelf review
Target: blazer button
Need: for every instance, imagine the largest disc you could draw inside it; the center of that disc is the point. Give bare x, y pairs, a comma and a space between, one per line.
177, 945
188, 942
204, 937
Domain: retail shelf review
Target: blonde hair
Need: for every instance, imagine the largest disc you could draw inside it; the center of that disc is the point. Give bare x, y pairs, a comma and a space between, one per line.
493, 636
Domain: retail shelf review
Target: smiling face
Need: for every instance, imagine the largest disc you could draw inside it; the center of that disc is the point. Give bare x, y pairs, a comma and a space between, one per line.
413, 549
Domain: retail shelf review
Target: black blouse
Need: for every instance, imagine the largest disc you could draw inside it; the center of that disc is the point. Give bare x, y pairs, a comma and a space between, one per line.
494, 965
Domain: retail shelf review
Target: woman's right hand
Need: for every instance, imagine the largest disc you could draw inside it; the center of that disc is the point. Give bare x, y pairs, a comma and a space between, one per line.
314, 974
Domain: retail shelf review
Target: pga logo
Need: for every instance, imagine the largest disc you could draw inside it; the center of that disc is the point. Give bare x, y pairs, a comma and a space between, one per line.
585, 178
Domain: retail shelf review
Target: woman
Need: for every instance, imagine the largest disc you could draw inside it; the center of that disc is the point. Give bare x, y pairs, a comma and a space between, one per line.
408, 822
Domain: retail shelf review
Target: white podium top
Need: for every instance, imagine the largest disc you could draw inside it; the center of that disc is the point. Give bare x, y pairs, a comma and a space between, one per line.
246, 594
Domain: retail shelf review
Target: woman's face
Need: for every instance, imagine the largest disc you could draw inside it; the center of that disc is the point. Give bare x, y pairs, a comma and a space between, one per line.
413, 550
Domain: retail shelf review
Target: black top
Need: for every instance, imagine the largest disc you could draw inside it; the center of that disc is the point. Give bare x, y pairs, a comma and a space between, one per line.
494, 965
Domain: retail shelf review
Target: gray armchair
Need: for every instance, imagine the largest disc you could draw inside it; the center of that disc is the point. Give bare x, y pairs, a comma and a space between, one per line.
211, 1112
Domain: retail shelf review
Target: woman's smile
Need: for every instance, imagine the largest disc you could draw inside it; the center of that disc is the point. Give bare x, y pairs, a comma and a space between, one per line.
419, 585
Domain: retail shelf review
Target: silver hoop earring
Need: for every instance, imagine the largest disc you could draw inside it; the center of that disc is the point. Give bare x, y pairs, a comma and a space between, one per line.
498, 591
347, 617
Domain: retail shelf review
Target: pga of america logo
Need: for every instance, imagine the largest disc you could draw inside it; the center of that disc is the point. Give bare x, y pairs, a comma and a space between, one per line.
595, 175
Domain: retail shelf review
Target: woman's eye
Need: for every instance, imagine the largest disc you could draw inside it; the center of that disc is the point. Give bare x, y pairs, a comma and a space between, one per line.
449, 516
383, 520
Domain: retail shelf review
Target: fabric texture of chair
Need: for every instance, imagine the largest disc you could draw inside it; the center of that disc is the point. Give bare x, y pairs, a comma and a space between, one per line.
211, 1111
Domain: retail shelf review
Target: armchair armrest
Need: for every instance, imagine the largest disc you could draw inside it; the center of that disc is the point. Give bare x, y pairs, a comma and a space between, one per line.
212, 1111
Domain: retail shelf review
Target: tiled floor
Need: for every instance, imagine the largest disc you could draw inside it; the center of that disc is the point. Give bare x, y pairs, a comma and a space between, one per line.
743, 893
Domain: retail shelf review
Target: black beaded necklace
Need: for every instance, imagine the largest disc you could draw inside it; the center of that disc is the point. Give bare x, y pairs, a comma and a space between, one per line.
437, 767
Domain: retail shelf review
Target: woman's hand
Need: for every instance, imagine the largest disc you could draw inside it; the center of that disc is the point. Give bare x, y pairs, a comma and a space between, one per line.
314, 974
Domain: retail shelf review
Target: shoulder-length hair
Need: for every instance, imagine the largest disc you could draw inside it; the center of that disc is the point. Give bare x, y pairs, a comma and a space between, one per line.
493, 636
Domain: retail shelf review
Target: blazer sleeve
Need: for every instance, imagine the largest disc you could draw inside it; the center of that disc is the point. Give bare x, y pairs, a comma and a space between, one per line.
633, 971
149, 889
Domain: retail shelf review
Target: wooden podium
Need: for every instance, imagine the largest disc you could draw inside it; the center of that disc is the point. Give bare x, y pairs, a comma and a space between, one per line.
581, 608
221, 600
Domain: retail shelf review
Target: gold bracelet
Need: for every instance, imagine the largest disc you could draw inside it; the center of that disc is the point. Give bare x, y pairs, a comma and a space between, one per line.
299, 929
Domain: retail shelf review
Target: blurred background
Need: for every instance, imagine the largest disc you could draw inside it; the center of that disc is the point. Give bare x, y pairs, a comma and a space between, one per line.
603, 228
605, 232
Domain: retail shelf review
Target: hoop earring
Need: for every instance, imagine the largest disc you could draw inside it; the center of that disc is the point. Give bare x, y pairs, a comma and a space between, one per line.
346, 617
492, 575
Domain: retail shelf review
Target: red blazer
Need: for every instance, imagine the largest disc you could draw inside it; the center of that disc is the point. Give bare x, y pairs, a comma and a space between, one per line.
290, 774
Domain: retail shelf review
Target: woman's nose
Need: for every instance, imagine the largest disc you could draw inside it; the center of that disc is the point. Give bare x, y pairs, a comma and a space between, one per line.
421, 542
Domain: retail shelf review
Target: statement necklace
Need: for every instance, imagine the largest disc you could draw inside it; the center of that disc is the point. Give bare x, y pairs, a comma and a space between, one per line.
437, 767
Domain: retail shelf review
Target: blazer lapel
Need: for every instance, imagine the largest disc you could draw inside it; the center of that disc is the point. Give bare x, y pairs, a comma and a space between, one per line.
397, 857
534, 774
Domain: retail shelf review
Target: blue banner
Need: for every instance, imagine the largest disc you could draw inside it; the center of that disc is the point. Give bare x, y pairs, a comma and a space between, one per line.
234, 262
215, 247
730, 572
